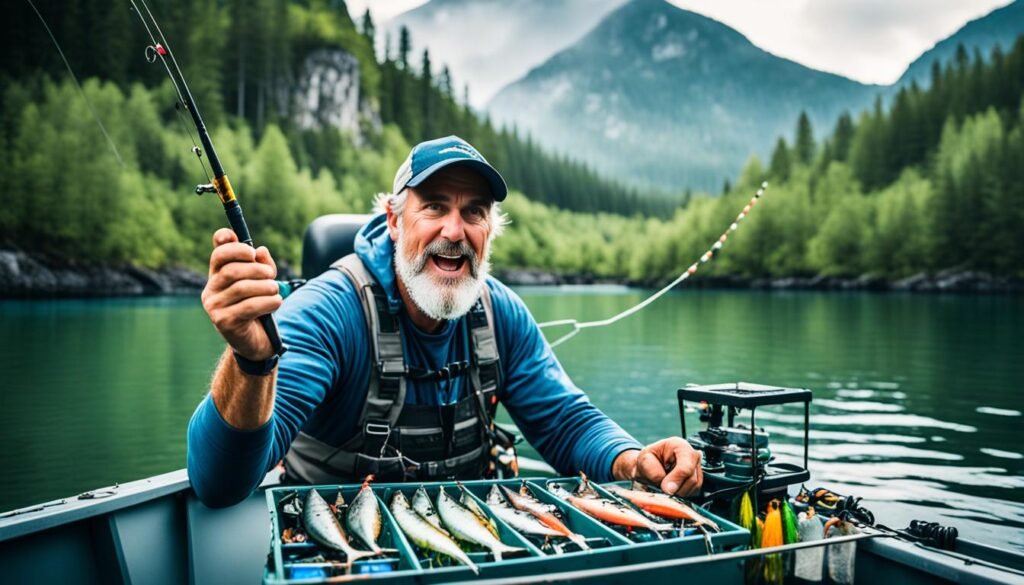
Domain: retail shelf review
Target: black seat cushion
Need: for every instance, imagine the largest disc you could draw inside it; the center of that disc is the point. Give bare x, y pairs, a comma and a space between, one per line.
328, 238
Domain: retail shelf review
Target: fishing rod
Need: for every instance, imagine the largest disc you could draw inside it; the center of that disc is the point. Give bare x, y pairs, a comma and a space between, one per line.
219, 182
705, 257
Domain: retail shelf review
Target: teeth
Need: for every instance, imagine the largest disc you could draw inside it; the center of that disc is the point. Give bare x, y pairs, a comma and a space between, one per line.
449, 257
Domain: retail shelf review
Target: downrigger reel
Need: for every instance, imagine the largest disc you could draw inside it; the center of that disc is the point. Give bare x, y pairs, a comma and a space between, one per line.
736, 456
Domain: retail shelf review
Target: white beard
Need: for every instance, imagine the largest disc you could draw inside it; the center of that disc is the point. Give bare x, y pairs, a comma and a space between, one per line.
438, 297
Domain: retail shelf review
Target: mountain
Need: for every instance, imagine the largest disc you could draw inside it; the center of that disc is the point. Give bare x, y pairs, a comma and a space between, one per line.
661, 96
490, 43
999, 27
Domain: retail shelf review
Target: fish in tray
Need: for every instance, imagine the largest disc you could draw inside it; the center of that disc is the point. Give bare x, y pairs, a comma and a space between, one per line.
364, 518
546, 513
422, 506
424, 534
586, 499
662, 505
323, 527
469, 526
522, 522
470, 503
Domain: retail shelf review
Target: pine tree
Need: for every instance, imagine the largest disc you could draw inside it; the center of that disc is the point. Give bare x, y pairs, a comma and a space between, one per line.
445, 83
780, 164
369, 29
804, 145
842, 136
427, 97
404, 46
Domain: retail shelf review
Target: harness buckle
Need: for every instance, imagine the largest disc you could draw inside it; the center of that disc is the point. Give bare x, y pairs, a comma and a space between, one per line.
378, 429
391, 368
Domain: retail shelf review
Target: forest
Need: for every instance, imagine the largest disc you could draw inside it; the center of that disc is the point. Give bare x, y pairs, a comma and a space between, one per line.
930, 178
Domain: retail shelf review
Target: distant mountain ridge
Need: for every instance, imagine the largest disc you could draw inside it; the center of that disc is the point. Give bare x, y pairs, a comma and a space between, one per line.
674, 106
1001, 27
669, 98
491, 43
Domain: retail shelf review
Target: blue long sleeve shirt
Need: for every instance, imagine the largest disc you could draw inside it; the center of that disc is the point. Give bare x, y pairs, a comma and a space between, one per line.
329, 356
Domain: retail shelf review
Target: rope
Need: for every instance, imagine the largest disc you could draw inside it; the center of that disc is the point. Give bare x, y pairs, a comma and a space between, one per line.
706, 257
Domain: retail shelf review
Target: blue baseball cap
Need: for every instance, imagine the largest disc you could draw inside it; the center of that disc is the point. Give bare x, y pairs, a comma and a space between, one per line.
431, 156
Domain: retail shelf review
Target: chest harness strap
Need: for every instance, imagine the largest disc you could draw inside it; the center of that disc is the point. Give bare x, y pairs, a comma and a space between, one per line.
396, 441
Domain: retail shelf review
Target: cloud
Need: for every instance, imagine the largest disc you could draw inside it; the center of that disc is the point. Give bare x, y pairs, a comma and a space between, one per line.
868, 40
381, 10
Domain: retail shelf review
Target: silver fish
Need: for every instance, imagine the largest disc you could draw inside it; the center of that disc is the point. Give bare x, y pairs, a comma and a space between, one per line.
466, 525
323, 527
470, 503
422, 506
424, 534
523, 522
546, 513
364, 519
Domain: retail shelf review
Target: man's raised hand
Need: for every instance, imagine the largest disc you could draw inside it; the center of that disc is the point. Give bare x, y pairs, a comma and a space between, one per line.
241, 288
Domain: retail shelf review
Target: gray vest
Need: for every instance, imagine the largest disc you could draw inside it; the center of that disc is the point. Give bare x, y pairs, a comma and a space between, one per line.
401, 442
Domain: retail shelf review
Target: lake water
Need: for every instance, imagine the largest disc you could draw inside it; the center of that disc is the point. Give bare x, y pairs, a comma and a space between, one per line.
917, 406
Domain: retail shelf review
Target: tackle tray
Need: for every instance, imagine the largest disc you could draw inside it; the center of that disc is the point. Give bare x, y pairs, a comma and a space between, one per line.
408, 564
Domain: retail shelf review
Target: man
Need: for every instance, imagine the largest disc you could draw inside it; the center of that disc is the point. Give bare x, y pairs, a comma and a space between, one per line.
397, 357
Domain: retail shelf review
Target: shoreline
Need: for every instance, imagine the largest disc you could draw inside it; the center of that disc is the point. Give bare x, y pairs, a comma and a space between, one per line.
953, 280
26, 277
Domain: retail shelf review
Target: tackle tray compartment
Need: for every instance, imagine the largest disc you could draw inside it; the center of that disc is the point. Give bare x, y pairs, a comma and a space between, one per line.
481, 558
682, 543
284, 564
609, 548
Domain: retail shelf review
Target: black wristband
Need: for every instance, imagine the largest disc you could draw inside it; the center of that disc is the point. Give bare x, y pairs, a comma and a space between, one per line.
256, 368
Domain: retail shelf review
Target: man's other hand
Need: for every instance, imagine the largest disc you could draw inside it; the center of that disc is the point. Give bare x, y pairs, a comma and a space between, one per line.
672, 464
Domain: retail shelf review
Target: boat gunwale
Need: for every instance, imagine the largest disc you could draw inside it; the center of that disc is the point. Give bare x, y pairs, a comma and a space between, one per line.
90, 504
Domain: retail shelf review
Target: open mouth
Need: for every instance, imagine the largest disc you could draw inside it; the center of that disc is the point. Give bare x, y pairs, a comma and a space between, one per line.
447, 263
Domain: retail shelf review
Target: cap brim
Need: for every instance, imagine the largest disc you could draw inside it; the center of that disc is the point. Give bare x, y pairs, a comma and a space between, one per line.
498, 188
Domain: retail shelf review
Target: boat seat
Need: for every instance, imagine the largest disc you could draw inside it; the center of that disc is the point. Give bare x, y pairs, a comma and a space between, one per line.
328, 238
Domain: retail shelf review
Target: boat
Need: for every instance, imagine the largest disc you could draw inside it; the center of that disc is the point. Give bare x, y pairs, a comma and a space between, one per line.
155, 530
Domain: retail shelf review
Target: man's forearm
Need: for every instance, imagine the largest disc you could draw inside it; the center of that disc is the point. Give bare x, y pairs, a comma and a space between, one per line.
245, 402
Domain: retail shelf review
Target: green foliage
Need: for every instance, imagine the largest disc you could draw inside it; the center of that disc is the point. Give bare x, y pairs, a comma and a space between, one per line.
933, 181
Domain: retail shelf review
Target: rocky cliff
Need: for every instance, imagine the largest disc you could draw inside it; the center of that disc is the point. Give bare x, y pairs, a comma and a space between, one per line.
325, 93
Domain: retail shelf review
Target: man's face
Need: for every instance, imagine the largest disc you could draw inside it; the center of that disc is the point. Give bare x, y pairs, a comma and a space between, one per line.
442, 241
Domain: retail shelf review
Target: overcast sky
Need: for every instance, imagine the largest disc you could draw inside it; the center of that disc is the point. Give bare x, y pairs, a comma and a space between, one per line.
871, 41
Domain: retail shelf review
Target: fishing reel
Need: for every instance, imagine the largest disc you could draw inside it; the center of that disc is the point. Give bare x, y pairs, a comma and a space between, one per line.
736, 456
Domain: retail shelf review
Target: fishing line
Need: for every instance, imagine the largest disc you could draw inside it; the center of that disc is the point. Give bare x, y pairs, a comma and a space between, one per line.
577, 326
74, 78
158, 51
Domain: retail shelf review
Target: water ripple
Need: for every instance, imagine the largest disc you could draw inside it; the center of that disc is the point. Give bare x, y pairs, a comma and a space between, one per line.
1002, 454
997, 411
870, 420
859, 405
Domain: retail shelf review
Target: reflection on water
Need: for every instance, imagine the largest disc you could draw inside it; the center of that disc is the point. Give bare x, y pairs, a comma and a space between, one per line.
916, 408
916, 399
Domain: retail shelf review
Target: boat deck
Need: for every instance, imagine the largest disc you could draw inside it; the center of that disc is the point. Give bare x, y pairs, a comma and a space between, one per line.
156, 531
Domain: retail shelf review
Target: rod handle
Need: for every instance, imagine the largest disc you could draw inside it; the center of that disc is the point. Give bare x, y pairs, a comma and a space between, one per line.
237, 221
270, 327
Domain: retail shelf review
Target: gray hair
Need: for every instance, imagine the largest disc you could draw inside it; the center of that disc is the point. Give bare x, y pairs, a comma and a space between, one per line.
396, 203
